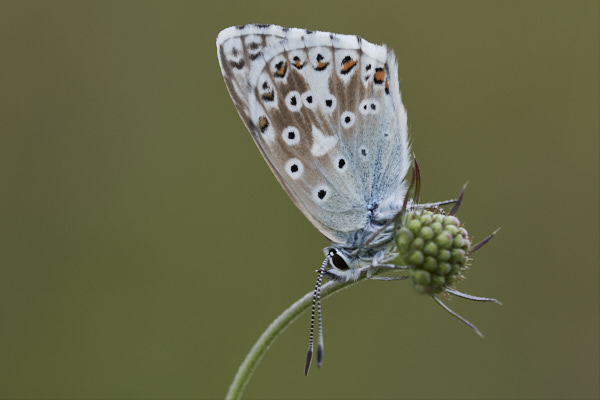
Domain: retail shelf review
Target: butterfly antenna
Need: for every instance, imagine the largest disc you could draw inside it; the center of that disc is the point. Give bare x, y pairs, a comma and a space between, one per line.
458, 201
483, 242
461, 319
316, 300
320, 343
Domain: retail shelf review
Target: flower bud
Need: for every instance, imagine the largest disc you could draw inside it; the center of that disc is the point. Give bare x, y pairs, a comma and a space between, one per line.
436, 248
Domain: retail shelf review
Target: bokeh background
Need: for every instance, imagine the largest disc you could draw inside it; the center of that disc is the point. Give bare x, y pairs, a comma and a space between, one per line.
145, 245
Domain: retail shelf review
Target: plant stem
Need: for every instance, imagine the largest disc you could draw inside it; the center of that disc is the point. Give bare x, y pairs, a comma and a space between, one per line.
242, 377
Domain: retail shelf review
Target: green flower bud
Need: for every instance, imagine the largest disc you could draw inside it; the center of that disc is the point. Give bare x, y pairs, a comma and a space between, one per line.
456, 268
437, 228
417, 243
426, 219
444, 255
414, 226
458, 242
435, 246
444, 268
426, 233
403, 239
438, 282
444, 240
420, 277
459, 256
451, 229
451, 278
430, 249
415, 258
451, 220
430, 264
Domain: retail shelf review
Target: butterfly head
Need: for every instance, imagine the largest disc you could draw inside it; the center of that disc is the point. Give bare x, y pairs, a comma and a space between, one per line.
342, 266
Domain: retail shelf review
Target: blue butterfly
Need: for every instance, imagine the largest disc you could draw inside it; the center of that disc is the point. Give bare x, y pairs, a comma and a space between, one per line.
326, 114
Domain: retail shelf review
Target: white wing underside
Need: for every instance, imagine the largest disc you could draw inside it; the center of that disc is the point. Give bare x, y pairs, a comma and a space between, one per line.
325, 112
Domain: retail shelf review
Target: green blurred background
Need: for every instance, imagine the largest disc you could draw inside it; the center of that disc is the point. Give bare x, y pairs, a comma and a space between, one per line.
145, 245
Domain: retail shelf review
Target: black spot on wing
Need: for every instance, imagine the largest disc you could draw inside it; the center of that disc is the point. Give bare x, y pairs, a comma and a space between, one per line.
238, 65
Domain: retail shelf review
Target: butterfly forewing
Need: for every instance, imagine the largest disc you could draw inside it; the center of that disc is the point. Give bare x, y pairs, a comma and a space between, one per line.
325, 112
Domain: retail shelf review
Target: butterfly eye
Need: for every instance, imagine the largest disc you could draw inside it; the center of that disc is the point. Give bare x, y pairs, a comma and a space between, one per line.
337, 261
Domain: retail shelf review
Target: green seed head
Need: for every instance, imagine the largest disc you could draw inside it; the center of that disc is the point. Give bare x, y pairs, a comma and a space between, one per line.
435, 246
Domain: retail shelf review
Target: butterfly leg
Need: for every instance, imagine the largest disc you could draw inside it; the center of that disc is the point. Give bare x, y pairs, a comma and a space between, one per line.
387, 278
376, 264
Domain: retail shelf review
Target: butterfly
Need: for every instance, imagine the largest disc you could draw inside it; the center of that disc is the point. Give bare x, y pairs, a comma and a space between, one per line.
326, 113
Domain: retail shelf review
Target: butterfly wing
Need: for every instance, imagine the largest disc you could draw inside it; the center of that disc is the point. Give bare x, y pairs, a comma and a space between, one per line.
325, 112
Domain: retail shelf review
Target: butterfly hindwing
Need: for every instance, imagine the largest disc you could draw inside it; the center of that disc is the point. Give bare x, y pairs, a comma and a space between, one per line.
325, 112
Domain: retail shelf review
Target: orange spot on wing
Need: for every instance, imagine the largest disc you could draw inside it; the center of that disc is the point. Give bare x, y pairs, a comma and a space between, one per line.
321, 66
263, 124
347, 66
281, 69
379, 75
268, 96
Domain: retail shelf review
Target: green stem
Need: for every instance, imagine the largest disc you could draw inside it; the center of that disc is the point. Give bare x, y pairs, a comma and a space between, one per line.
242, 377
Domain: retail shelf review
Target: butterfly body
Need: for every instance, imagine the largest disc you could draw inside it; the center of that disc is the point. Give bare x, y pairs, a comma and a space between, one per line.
325, 111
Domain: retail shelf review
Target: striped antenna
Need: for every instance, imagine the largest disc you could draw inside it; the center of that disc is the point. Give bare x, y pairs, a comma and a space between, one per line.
316, 302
